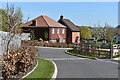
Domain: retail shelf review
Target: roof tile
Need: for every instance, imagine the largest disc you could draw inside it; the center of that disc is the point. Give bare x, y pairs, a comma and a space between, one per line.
72, 26
44, 21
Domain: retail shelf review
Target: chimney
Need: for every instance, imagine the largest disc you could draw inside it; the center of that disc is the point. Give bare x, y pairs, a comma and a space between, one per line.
61, 17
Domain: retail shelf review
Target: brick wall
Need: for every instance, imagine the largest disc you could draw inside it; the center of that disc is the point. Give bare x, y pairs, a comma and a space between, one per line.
75, 36
55, 35
69, 36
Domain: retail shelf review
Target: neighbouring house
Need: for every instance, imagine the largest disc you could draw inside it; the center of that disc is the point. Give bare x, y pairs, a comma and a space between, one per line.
73, 32
118, 35
118, 38
116, 46
46, 28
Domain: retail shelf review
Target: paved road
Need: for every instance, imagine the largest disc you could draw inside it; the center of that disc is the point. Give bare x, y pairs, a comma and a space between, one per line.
77, 67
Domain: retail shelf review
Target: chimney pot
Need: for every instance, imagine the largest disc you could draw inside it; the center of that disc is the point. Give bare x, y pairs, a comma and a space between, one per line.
61, 17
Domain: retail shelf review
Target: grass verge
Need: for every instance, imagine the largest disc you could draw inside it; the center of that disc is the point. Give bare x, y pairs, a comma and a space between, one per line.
71, 52
44, 71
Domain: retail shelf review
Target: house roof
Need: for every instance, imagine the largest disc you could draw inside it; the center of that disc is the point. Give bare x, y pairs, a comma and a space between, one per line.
69, 24
43, 21
118, 26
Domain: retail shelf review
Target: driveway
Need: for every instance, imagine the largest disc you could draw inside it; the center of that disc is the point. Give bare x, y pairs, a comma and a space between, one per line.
77, 67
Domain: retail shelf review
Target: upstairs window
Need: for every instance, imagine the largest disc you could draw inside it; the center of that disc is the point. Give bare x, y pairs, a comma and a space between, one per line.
58, 31
63, 31
53, 31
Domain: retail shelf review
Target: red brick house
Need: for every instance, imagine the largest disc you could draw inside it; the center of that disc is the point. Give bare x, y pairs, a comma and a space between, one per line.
73, 32
41, 25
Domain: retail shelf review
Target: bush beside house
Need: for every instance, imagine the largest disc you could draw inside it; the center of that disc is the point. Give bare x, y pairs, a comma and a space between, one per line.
47, 44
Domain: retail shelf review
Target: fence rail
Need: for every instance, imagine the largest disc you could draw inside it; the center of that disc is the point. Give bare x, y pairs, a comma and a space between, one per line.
94, 49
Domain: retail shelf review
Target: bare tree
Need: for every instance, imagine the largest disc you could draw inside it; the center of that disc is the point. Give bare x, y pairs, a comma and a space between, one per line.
11, 22
96, 32
107, 32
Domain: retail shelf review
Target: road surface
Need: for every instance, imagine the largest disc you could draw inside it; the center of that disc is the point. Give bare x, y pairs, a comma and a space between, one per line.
76, 67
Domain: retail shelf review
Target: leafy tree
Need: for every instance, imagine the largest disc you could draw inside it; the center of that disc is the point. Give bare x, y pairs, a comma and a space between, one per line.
85, 32
3, 25
11, 19
111, 32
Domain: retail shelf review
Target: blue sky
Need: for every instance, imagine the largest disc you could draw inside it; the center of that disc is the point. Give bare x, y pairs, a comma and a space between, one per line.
81, 13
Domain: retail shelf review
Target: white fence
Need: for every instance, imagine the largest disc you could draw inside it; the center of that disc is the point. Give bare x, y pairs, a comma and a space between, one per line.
25, 36
116, 49
15, 42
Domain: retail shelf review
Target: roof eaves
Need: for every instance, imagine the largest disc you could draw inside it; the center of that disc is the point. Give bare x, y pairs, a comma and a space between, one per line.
34, 27
57, 27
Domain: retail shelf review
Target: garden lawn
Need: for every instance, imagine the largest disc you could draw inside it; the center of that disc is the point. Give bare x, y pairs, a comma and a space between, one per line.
44, 70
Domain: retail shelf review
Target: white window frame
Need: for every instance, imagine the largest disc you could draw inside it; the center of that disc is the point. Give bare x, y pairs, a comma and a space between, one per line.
63, 31
53, 31
58, 31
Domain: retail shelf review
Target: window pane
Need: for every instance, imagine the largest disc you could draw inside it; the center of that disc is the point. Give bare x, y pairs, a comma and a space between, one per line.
52, 30
63, 31
58, 31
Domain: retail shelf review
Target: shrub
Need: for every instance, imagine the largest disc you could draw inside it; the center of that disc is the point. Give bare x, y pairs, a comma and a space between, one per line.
49, 44
32, 34
40, 39
18, 62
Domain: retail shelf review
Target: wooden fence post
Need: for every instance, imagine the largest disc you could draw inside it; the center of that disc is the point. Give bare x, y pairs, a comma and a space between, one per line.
111, 50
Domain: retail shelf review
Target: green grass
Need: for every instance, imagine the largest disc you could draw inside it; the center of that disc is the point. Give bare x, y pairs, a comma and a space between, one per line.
44, 70
71, 52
